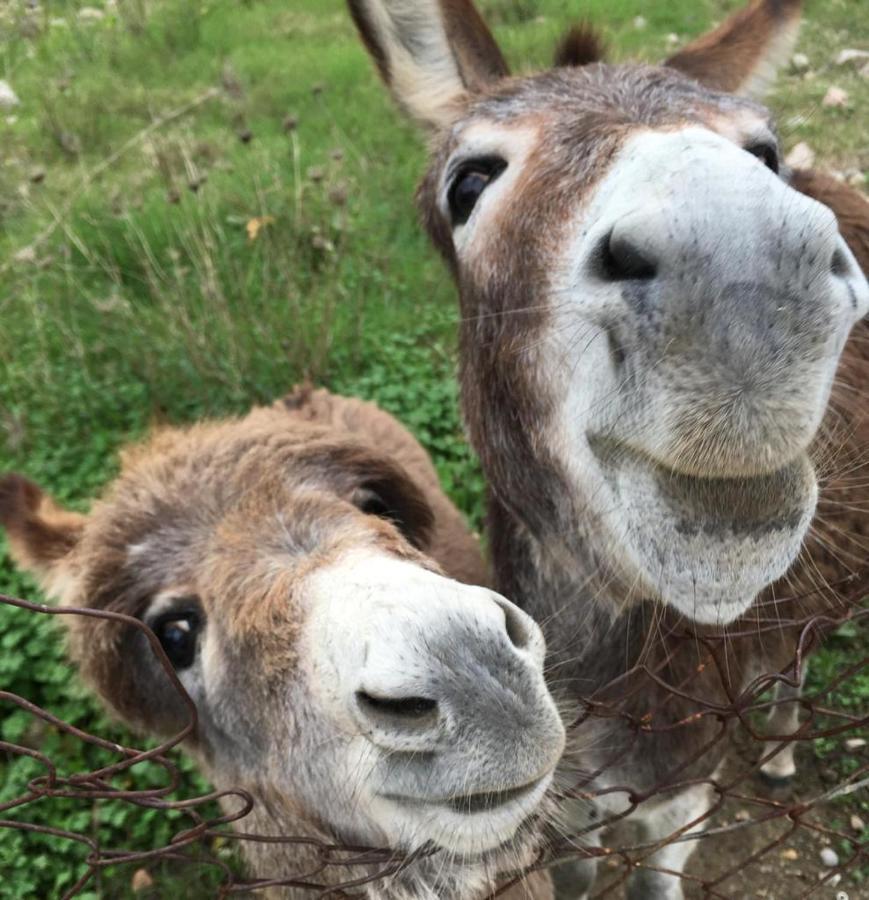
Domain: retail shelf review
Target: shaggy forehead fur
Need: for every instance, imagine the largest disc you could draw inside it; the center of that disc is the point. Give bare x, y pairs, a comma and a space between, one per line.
237, 513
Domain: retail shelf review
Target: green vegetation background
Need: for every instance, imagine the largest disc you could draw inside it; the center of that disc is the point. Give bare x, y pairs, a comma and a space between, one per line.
140, 297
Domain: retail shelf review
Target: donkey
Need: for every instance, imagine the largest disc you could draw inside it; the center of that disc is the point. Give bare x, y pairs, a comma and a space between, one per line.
294, 564
653, 312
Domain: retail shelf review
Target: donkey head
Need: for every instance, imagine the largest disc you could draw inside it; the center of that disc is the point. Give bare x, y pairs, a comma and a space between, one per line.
651, 315
337, 673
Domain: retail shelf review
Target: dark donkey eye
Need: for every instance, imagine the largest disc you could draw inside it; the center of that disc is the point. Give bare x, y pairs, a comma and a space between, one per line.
472, 178
178, 633
766, 152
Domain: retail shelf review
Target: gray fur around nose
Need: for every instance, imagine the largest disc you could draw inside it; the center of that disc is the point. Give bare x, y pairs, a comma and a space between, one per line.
736, 296
489, 722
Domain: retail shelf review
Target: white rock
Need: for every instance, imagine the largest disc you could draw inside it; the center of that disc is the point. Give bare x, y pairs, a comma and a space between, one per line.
857, 824
829, 857
25, 255
90, 14
8, 97
799, 62
855, 743
835, 96
673, 39
801, 156
834, 880
640, 23
848, 56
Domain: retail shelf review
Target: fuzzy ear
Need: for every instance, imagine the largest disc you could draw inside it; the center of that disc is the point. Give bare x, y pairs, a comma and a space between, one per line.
431, 53
850, 206
742, 55
580, 45
41, 533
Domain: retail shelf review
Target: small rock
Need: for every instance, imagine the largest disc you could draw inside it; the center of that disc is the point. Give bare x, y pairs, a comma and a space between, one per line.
141, 880
790, 854
857, 824
800, 62
673, 39
742, 816
849, 56
37, 175
90, 14
25, 255
855, 744
801, 156
8, 97
829, 857
835, 96
640, 23
833, 880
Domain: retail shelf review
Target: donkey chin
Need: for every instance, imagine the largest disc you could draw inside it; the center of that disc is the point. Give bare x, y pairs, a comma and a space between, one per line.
706, 546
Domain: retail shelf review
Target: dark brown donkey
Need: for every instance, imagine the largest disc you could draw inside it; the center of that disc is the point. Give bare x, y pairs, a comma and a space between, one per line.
655, 374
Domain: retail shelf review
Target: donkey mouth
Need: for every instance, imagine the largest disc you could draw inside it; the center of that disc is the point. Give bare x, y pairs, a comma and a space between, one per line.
482, 802
705, 546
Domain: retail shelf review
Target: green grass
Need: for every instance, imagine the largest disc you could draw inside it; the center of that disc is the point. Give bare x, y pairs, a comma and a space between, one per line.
138, 297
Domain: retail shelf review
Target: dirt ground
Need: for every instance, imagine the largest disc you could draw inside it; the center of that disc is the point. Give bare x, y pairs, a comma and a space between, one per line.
793, 867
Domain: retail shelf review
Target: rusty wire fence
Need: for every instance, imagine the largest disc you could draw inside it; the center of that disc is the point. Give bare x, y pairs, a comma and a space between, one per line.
753, 822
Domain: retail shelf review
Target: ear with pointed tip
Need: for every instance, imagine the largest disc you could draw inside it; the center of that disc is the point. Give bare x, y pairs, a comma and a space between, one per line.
743, 54
432, 54
850, 206
41, 534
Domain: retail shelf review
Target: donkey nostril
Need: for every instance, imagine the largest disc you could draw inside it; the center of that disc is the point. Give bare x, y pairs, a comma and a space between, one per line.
409, 709
517, 626
618, 259
839, 264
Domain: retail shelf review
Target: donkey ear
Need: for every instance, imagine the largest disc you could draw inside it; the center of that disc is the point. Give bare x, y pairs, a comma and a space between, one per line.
850, 206
41, 534
742, 55
431, 53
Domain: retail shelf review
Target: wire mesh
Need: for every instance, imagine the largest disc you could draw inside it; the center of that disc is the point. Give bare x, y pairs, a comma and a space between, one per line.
735, 731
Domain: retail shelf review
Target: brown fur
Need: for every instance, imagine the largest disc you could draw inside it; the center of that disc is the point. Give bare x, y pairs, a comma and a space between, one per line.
729, 56
451, 544
580, 45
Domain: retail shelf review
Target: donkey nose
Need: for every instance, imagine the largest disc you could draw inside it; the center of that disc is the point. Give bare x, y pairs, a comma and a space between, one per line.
399, 716
432, 672
623, 256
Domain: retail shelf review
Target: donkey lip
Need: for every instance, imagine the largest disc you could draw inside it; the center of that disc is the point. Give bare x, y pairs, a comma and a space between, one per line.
470, 804
740, 506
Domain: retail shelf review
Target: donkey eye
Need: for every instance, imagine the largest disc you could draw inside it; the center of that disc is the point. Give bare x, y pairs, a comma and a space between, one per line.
372, 505
767, 153
471, 180
178, 634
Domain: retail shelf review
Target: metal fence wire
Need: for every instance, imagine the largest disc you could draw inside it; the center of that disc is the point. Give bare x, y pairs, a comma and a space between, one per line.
740, 809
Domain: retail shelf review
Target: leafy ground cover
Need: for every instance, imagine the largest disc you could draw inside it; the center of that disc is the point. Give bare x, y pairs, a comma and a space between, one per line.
204, 201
